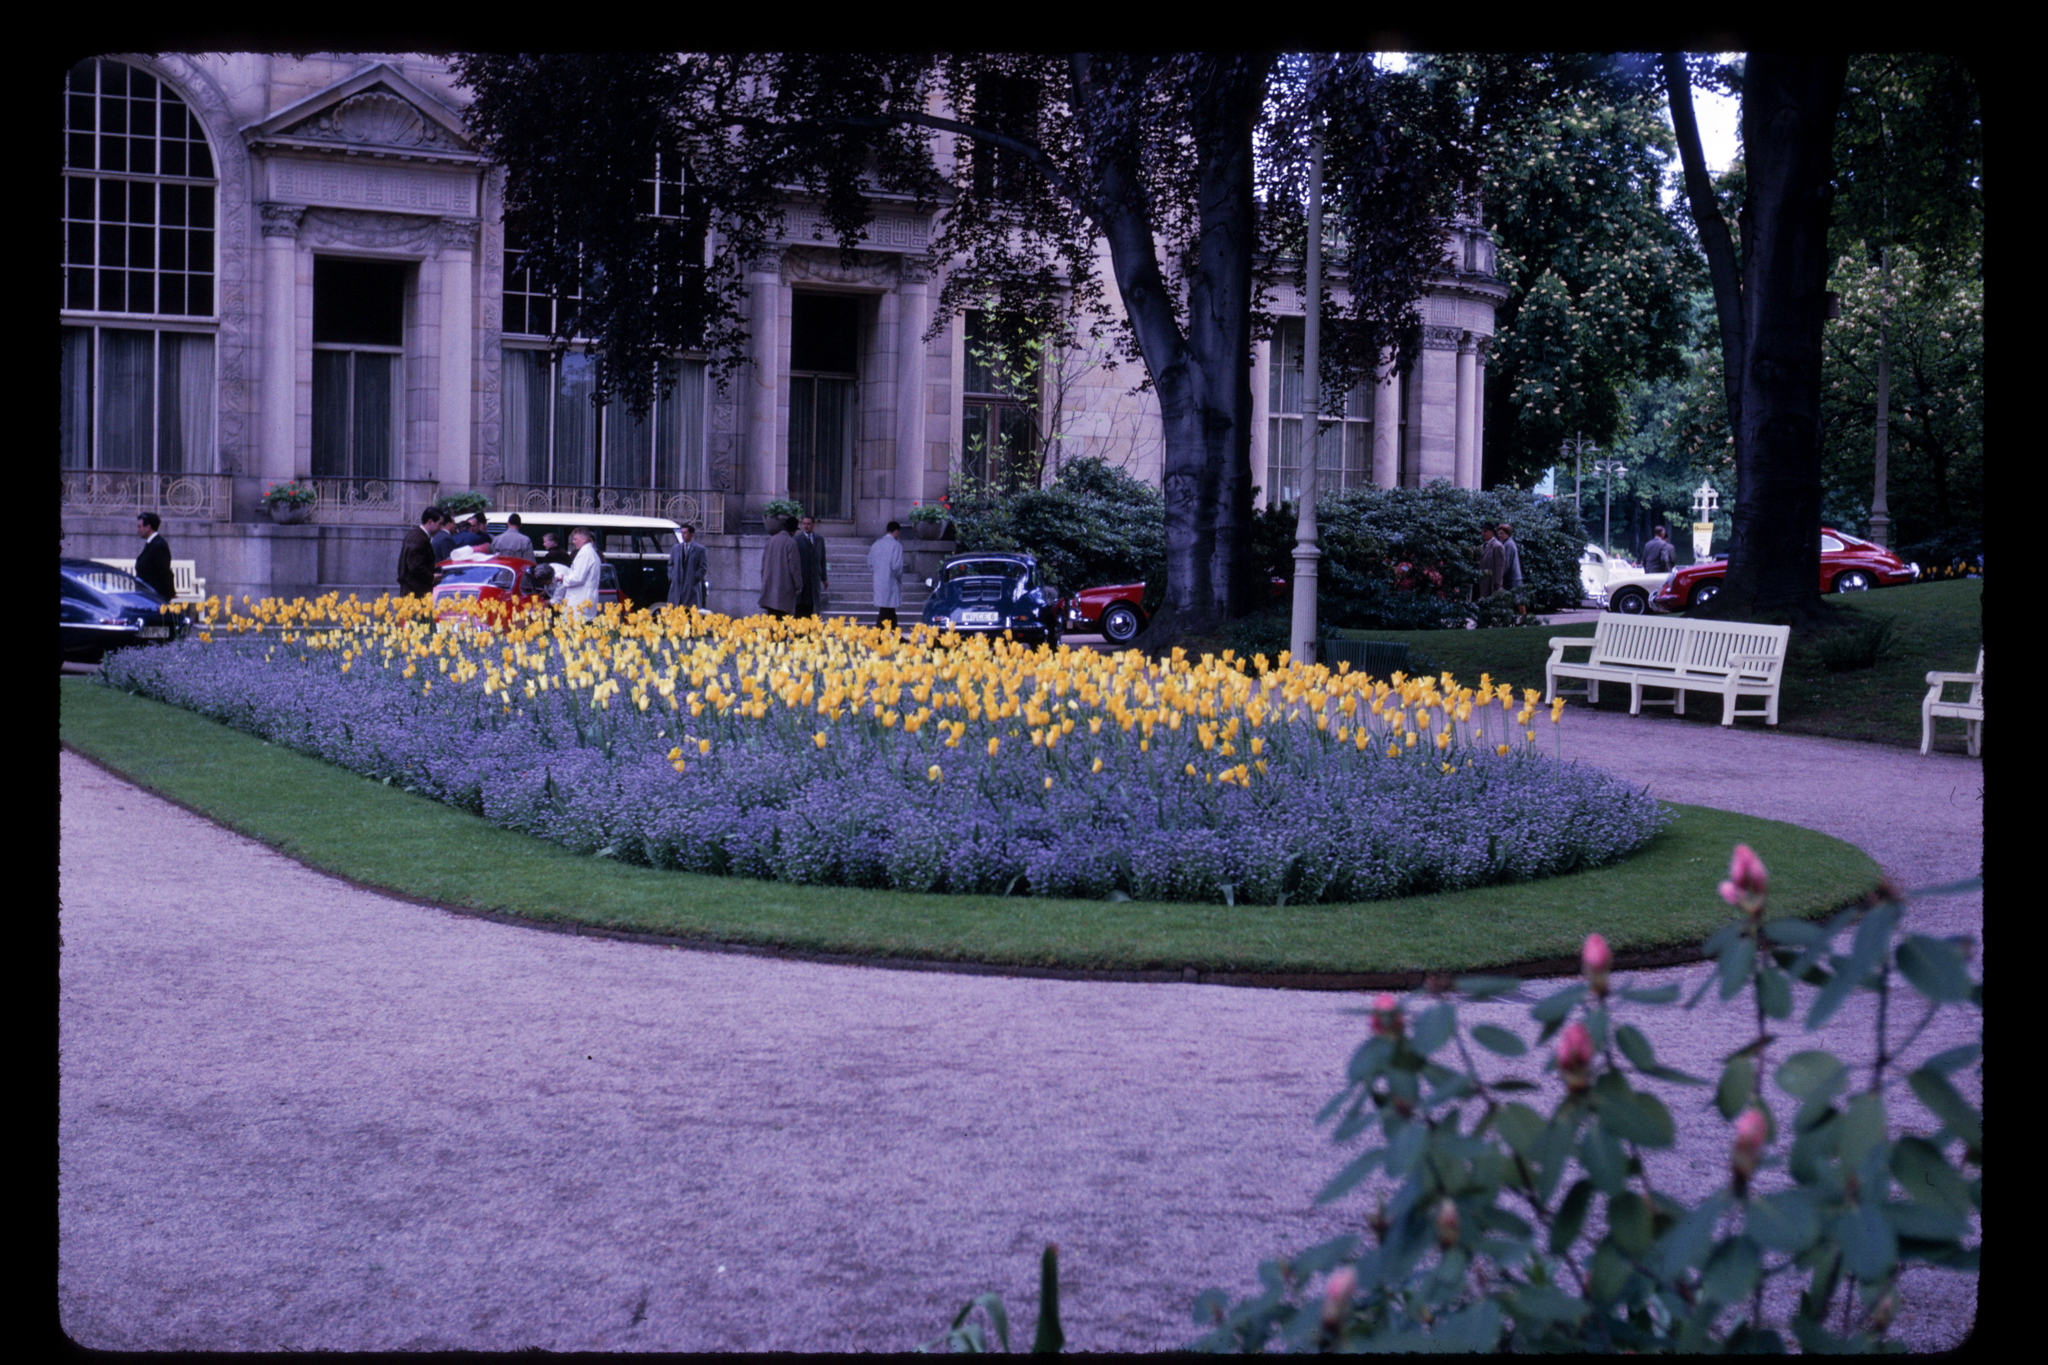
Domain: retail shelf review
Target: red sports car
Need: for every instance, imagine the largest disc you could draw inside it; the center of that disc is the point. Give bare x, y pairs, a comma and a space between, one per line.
1847, 564
1116, 612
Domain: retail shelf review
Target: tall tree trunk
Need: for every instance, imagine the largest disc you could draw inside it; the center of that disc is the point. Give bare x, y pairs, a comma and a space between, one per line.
1788, 117
1202, 376
1771, 306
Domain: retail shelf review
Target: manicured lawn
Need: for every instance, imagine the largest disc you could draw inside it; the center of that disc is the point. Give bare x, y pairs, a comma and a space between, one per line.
1940, 628
385, 837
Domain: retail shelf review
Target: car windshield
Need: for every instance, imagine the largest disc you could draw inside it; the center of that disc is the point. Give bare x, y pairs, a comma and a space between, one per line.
985, 568
496, 575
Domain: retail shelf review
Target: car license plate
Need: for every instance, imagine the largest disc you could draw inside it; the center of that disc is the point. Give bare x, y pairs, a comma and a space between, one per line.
977, 618
156, 632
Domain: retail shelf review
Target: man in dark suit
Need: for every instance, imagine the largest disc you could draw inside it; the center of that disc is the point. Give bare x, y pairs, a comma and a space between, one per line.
416, 556
443, 532
811, 552
688, 563
153, 565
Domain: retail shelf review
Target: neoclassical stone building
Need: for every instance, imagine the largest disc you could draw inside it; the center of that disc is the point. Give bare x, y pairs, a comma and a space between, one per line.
295, 267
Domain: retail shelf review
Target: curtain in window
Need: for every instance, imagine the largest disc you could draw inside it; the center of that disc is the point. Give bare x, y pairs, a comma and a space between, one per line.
575, 421
185, 421
127, 398
679, 441
526, 416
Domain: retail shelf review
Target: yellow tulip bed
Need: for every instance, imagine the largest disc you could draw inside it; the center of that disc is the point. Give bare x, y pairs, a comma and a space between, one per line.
825, 752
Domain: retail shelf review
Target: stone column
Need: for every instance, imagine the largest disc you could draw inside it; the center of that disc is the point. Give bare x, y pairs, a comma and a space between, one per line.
1479, 413
763, 474
276, 446
1468, 384
456, 238
913, 315
1386, 424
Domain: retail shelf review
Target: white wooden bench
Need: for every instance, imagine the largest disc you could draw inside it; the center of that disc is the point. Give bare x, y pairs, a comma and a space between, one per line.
1970, 711
184, 575
1683, 655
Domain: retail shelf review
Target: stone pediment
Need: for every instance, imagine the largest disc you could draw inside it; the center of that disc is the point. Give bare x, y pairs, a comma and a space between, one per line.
377, 112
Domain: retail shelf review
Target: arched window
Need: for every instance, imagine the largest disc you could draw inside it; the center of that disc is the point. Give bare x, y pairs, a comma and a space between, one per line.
138, 288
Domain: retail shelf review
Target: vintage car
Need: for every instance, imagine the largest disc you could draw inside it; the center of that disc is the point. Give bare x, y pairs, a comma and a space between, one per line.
101, 608
635, 548
1615, 583
1847, 564
1116, 612
991, 593
468, 582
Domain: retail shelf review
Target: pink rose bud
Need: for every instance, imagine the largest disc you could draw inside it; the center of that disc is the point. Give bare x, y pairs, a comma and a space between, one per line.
1596, 959
1386, 1016
1337, 1296
1747, 881
1752, 1130
1575, 1054
1446, 1224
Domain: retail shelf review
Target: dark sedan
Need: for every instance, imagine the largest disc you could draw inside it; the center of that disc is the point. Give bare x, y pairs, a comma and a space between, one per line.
992, 593
101, 608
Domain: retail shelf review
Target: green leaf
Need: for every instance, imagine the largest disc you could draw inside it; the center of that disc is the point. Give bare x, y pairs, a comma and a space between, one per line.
1774, 993
1934, 967
1924, 1224
1785, 1221
1734, 967
1927, 1178
1048, 1339
1948, 1105
1732, 1271
1633, 1115
1738, 1081
1863, 1128
1546, 1303
1433, 1028
1635, 1047
1688, 1242
1869, 1247
1606, 1164
1954, 1059
1553, 1008
1812, 1075
1629, 1223
1354, 1171
1794, 931
1520, 1127
1571, 1216
1494, 1038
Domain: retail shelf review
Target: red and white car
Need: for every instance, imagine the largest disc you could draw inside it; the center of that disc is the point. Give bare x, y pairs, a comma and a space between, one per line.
475, 587
1847, 564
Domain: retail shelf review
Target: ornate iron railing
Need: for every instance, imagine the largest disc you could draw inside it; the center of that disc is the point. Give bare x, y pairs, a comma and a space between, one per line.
702, 508
118, 492
372, 502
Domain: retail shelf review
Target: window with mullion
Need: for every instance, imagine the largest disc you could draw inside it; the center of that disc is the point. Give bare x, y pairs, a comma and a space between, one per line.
1344, 440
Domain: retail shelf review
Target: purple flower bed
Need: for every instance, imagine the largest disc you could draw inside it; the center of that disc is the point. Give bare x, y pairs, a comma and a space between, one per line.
1330, 825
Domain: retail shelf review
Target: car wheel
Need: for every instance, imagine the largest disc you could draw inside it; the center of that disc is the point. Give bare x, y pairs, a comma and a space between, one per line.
1120, 623
1630, 602
1705, 593
1852, 580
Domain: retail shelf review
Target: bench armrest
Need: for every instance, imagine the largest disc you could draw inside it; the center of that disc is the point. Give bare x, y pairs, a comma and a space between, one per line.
1935, 679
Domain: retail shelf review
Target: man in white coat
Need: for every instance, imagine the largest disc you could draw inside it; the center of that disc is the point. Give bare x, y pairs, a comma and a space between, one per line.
580, 580
885, 562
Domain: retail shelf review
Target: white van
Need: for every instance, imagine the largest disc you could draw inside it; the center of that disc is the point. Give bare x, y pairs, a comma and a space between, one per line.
635, 547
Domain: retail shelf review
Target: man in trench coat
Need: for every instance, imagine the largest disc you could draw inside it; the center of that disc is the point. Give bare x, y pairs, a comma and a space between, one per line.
782, 571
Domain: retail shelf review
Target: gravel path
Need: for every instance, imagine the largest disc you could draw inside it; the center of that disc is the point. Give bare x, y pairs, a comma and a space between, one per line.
299, 1116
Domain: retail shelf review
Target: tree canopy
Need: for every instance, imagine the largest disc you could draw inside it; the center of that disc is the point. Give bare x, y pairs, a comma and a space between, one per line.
1574, 150
1156, 156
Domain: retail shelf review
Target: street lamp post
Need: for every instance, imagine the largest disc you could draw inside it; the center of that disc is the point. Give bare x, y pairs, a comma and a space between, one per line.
1577, 449
1302, 635
1607, 469
1704, 501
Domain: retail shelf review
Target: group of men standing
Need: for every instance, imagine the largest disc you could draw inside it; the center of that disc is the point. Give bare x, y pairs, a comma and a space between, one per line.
796, 576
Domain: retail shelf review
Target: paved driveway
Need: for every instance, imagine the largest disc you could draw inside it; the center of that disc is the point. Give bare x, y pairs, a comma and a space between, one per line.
300, 1116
